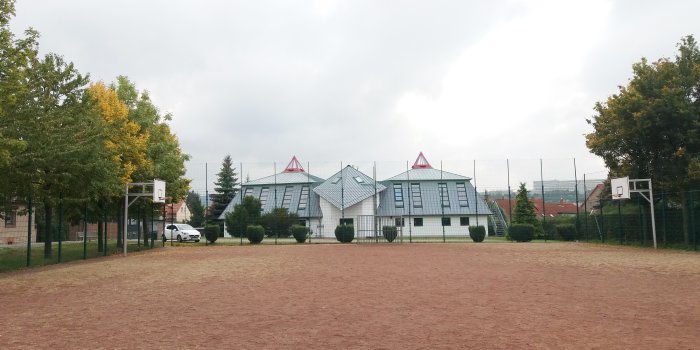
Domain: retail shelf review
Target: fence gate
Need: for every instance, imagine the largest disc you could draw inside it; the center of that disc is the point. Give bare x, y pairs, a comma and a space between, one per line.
375, 229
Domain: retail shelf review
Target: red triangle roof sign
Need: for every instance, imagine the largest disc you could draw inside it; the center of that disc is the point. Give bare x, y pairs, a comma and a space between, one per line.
294, 166
421, 162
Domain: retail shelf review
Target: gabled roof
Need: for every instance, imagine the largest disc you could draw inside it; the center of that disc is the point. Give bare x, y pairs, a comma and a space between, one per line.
348, 187
285, 178
419, 174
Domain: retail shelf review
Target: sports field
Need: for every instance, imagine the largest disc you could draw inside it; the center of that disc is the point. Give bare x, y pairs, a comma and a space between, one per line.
419, 296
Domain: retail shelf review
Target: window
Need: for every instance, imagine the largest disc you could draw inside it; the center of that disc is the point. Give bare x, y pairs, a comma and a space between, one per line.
10, 219
399, 222
462, 194
287, 198
302, 222
264, 193
359, 180
346, 222
464, 221
417, 221
398, 195
446, 222
304, 199
335, 181
415, 196
444, 195
248, 192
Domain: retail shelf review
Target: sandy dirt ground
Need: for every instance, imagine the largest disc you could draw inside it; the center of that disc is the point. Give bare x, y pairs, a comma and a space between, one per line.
420, 296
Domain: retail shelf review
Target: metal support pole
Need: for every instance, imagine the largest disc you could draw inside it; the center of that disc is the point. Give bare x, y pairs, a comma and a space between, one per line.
85, 232
619, 218
126, 215
578, 224
29, 233
510, 202
653, 220
60, 226
544, 210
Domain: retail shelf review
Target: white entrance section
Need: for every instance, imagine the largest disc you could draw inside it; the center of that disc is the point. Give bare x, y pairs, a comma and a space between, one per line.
622, 187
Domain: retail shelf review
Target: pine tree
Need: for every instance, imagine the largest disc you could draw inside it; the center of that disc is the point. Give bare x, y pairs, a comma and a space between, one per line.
524, 212
225, 189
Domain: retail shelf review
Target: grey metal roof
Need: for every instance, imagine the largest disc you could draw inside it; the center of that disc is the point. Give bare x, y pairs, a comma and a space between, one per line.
285, 178
426, 174
343, 190
277, 192
430, 198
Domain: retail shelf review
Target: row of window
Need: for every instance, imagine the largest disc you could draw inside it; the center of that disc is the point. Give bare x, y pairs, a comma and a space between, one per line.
286, 197
446, 221
442, 190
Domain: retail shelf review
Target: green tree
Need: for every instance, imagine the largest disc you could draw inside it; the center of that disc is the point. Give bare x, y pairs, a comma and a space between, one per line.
194, 203
650, 128
225, 189
247, 213
524, 211
278, 222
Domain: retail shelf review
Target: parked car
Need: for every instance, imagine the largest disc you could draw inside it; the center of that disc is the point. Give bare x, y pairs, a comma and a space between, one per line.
181, 232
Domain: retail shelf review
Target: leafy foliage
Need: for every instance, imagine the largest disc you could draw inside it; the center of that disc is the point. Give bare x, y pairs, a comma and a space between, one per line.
345, 233
650, 128
477, 233
300, 233
255, 233
243, 215
567, 232
389, 233
211, 232
521, 232
278, 222
194, 203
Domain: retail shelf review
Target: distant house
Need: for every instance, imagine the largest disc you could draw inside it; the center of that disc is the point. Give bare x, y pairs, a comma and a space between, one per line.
593, 199
562, 208
421, 201
430, 202
348, 197
291, 189
177, 212
14, 226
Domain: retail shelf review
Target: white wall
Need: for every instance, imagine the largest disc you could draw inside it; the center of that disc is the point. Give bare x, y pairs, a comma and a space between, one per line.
332, 215
432, 226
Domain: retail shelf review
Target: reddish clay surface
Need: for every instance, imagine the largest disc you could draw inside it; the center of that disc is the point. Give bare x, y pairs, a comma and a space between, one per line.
420, 296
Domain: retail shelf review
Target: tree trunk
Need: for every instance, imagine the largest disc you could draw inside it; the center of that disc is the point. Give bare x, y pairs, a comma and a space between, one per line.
48, 216
686, 217
146, 231
100, 232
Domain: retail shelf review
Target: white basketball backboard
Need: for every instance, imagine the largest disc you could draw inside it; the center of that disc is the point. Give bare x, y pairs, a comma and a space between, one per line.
620, 188
158, 191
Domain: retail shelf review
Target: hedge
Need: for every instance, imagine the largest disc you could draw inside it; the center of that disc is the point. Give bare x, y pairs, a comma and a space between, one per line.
255, 233
521, 232
345, 233
477, 233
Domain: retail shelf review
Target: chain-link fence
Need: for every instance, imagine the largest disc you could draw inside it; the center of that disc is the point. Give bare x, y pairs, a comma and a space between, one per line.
36, 233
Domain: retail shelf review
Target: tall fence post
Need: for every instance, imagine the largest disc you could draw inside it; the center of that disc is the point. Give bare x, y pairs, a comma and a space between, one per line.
60, 225
85, 233
692, 221
29, 233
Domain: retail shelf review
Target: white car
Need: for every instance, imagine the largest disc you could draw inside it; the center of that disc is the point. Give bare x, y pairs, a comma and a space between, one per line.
181, 232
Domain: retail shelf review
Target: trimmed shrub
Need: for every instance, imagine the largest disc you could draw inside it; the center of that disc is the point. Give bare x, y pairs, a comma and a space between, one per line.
345, 233
567, 232
389, 233
300, 233
521, 232
255, 233
211, 232
477, 233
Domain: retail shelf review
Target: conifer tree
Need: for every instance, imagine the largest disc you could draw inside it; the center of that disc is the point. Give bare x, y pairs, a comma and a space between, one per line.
225, 189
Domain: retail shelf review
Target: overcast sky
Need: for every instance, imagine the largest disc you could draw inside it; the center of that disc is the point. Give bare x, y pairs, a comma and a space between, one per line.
363, 81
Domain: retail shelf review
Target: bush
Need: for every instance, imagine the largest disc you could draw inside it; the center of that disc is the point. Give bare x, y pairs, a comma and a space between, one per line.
477, 233
567, 232
345, 233
211, 232
300, 233
255, 233
521, 232
389, 233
